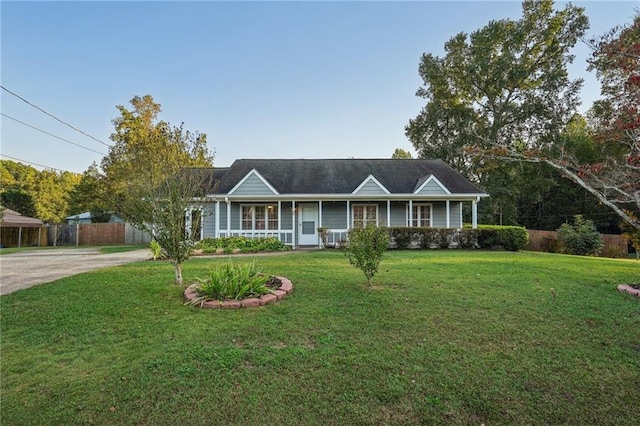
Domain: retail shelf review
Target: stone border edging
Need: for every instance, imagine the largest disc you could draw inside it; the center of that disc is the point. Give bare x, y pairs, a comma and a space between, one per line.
286, 287
628, 289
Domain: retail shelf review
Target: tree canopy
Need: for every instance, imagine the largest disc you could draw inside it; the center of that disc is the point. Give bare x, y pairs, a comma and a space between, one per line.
503, 93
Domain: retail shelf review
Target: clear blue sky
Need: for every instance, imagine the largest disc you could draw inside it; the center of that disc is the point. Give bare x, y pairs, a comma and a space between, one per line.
261, 79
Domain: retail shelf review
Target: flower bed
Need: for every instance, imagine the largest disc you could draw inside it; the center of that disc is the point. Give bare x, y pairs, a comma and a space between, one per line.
285, 288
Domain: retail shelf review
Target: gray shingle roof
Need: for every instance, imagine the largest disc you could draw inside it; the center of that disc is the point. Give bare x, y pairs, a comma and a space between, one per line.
342, 176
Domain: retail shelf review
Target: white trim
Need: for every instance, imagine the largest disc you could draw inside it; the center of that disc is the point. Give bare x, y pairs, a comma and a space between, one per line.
370, 178
253, 172
320, 214
293, 223
228, 214
410, 217
365, 205
410, 224
388, 213
217, 213
432, 178
448, 213
279, 216
348, 214
474, 214
315, 237
357, 197
253, 216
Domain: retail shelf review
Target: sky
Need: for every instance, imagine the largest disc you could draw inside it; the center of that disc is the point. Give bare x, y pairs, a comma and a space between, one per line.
324, 79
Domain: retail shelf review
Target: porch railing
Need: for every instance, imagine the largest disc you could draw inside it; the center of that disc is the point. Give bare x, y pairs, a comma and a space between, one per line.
285, 236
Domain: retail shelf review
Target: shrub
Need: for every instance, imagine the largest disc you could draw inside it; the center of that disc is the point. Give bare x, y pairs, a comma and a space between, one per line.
467, 238
512, 238
240, 245
581, 238
402, 237
365, 248
156, 250
232, 282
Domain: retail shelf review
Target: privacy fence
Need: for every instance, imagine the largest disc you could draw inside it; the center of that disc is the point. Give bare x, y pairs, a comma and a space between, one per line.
96, 234
614, 245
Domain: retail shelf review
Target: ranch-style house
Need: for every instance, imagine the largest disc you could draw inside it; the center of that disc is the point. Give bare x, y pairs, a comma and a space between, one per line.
291, 199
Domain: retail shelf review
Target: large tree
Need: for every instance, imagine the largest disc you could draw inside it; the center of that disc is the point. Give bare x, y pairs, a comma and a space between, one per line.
152, 175
504, 85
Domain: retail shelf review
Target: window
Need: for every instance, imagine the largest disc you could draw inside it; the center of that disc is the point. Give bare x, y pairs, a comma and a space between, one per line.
259, 217
421, 216
364, 215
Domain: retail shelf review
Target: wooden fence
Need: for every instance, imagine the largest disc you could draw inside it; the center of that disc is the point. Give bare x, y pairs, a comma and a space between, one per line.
614, 245
23, 236
96, 234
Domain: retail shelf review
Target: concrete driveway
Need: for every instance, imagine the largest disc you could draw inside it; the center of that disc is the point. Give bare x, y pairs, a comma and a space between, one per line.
28, 268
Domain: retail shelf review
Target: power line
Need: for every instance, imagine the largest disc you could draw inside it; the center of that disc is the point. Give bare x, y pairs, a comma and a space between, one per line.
52, 116
33, 164
51, 134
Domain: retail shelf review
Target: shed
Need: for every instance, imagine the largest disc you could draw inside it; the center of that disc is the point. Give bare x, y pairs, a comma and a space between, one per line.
17, 230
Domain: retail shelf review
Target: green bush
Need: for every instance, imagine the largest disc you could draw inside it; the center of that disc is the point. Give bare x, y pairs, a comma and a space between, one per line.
512, 238
241, 244
403, 237
231, 282
366, 247
582, 238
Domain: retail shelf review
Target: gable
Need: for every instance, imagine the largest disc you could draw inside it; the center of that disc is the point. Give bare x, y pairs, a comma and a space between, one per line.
370, 186
253, 184
375, 177
430, 185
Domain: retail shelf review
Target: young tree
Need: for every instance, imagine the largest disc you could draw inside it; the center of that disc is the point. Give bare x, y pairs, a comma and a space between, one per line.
365, 248
153, 178
171, 212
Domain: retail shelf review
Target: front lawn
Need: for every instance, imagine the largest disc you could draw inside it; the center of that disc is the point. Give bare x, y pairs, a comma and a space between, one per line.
446, 337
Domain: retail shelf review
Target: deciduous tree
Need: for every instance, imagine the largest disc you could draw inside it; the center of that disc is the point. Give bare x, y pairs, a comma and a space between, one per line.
153, 174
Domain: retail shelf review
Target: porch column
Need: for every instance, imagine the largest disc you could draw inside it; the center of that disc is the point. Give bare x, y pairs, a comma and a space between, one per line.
294, 225
410, 213
217, 213
348, 215
388, 213
228, 217
474, 214
460, 209
280, 220
320, 214
448, 215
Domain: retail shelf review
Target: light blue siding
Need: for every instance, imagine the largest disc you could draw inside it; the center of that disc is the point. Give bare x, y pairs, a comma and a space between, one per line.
371, 188
286, 218
439, 219
454, 214
399, 213
253, 186
432, 188
334, 214
209, 221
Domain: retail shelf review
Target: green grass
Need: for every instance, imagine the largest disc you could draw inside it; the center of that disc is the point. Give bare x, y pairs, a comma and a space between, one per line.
446, 337
121, 249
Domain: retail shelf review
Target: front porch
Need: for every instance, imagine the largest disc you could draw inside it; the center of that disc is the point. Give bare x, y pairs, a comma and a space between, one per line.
327, 222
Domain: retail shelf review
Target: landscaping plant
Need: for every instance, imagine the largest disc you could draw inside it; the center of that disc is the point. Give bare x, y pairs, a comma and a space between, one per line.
232, 282
581, 238
366, 247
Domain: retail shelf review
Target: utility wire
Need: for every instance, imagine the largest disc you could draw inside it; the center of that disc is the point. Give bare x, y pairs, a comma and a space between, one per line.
52, 116
51, 134
33, 164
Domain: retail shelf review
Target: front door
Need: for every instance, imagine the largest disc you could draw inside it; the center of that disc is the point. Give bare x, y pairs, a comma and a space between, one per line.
307, 224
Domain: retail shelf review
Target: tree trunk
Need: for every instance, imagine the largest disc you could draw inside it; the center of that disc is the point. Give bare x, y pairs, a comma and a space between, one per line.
177, 268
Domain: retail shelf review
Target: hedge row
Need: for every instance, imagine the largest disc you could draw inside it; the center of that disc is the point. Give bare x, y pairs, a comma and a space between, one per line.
511, 238
240, 244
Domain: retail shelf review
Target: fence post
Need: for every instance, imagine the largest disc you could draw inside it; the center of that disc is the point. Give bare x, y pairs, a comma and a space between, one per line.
77, 234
